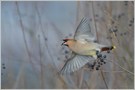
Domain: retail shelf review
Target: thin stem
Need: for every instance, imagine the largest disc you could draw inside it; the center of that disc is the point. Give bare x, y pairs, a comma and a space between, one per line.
41, 65
94, 20
86, 84
42, 30
29, 55
121, 67
104, 79
24, 37
81, 79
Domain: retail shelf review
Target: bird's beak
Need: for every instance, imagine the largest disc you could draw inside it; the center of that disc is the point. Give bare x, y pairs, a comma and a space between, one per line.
64, 43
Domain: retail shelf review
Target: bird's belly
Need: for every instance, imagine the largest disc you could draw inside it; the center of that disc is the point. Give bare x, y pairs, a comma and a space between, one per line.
87, 52
84, 50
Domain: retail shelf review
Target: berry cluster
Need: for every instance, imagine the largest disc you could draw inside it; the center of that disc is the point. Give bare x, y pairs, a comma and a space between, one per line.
97, 64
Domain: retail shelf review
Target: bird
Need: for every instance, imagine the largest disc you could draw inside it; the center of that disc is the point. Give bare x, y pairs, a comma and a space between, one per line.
83, 46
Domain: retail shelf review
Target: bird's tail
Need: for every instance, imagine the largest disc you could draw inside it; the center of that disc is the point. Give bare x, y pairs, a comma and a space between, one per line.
108, 48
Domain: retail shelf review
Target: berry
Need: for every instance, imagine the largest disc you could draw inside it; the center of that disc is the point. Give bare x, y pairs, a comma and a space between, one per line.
97, 68
130, 24
100, 55
4, 67
101, 60
104, 56
101, 63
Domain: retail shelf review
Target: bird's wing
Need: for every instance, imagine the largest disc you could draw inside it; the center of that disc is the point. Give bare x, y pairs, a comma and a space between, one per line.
83, 31
75, 63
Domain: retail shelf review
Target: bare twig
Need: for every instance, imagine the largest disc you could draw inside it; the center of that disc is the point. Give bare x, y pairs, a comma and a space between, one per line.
43, 33
115, 71
94, 20
86, 84
121, 67
104, 78
81, 79
29, 55
127, 28
41, 65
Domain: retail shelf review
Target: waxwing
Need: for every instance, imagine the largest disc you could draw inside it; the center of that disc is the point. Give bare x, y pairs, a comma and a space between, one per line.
83, 48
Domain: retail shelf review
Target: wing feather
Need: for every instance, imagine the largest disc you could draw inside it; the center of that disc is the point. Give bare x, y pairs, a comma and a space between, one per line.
75, 63
83, 31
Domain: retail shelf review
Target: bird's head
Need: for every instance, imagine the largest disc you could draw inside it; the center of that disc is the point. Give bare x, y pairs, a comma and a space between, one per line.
67, 42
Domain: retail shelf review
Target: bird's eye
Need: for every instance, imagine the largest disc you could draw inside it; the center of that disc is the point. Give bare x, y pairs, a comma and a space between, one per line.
65, 40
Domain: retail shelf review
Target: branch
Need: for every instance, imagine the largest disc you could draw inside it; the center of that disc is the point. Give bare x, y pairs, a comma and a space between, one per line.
122, 67
104, 78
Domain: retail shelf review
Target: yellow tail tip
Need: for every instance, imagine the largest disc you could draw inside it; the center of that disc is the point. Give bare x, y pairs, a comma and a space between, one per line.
114, 47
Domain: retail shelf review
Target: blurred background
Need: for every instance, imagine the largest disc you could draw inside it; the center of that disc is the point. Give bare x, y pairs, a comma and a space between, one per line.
31, 37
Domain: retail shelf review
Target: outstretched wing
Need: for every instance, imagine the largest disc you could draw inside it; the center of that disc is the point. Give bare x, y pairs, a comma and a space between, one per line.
75, 63
83, 31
